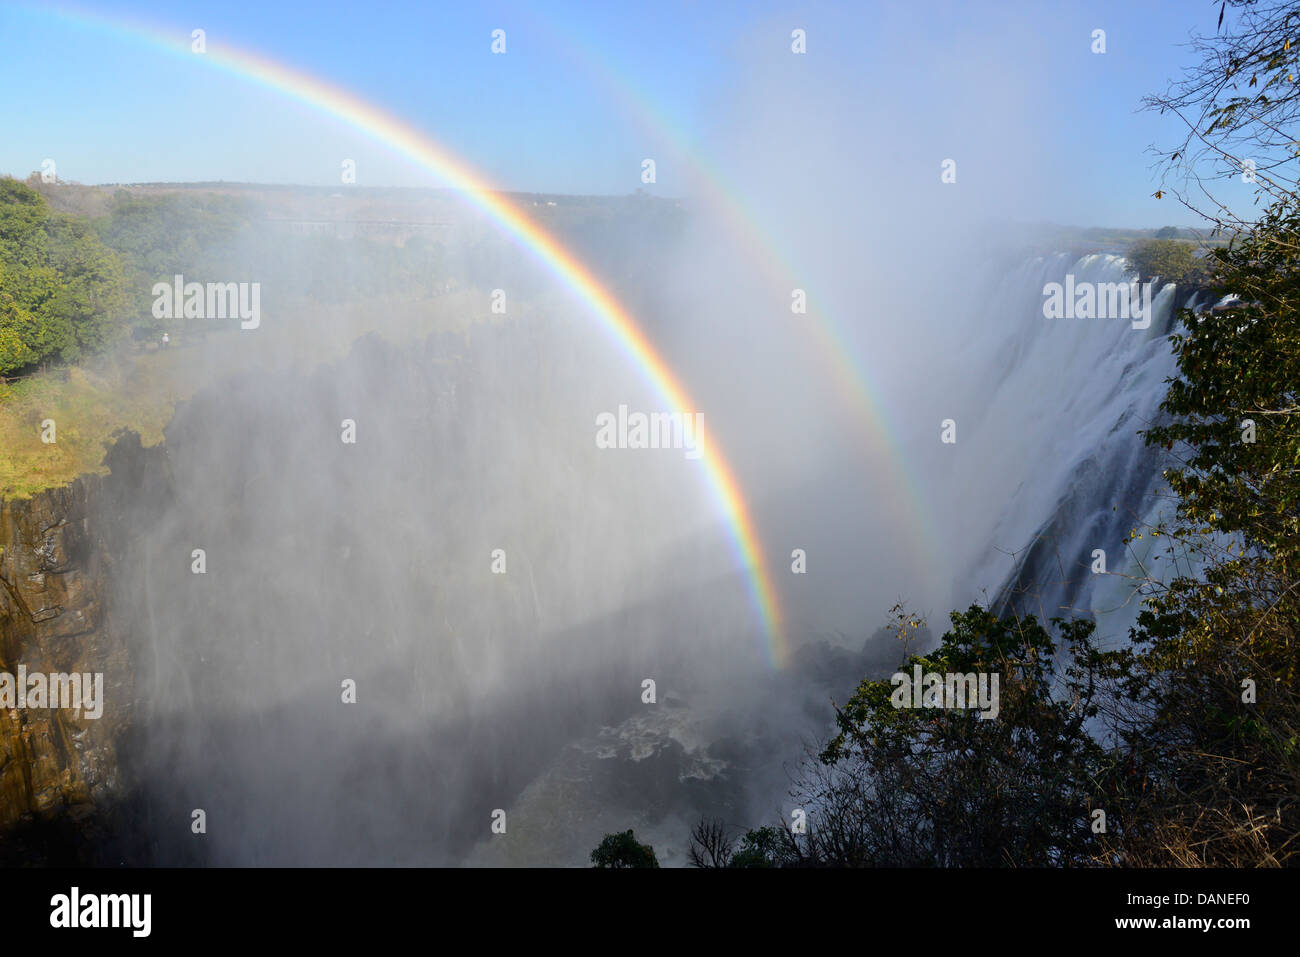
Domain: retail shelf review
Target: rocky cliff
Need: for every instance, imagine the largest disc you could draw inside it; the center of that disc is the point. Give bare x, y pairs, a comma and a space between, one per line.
61, 779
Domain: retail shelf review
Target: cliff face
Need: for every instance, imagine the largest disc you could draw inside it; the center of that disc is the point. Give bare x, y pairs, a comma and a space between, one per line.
60, 775
53, 619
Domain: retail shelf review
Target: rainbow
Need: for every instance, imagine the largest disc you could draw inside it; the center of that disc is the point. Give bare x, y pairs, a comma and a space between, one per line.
882, 452
410, 142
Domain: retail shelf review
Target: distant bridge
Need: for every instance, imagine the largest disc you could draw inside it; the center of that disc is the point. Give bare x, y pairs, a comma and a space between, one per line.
348, 228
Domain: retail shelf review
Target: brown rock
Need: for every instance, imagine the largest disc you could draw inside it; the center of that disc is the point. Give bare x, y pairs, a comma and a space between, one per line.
53, 619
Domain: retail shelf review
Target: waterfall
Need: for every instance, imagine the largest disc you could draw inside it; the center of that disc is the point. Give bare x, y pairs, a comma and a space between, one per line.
1050, 471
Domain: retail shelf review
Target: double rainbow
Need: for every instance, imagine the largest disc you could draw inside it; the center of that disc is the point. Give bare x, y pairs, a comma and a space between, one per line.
402, 138
882, 453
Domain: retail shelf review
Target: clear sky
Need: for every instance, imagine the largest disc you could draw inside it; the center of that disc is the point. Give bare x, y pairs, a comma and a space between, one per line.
587, 89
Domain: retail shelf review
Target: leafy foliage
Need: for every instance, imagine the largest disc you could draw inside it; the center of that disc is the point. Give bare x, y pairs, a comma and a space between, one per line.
1221, 774
1170, 259
623, 850
946, 786
1239, 364
63, 294
761, 847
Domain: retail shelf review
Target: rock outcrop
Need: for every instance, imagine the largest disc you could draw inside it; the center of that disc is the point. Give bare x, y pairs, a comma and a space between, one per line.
60, 773
53, 619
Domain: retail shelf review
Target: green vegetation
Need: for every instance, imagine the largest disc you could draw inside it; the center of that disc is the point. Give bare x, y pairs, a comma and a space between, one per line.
63, 293
71, 288
158, 237
88, 405
1223, 773
963, 787
77, 270
898, 785
1172, 260
762, 847
623, 850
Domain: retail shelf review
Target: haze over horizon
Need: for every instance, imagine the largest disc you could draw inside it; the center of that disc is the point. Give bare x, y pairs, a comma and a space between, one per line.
595, 91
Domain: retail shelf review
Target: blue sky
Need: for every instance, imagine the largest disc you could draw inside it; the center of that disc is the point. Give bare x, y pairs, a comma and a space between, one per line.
586, 90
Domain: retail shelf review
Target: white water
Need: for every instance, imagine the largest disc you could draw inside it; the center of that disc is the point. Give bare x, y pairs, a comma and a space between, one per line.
479, 696
1048, 415
1047, 442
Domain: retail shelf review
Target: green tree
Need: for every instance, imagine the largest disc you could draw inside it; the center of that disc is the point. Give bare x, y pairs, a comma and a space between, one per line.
158, 237
761, 847
710, 847
62, 292
18, 333
944, 786
623, 850
1171, 259
1219, 773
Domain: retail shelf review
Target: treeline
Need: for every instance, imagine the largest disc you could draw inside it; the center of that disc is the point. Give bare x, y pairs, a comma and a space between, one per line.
70, 286
63, 292
1170, 260
74, 282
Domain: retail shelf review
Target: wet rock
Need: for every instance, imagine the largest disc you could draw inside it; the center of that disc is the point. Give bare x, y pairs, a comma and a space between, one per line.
59, 767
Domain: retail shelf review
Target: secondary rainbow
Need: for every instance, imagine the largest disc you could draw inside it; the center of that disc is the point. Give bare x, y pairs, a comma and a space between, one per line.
883, 451
400, 136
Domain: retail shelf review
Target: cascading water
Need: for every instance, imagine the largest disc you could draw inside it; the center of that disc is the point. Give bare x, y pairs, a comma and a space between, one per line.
1051, 433
522, 692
